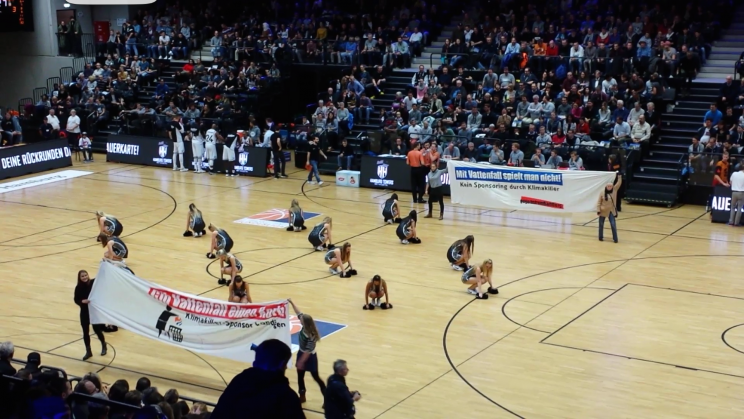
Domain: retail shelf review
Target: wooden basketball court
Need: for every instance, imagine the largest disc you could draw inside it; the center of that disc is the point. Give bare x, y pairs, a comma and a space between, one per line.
650, 327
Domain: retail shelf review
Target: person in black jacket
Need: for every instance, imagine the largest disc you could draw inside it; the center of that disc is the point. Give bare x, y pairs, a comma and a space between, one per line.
82, 291
262, 392
339, 401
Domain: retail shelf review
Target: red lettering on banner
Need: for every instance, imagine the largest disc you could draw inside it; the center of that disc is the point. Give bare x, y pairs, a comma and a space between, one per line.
541, 202
218, 309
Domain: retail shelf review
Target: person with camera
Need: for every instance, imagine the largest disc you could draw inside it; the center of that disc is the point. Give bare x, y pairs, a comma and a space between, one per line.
339, 400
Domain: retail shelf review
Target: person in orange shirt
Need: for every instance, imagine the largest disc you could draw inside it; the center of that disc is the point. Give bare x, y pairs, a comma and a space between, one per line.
539, 50
414, 161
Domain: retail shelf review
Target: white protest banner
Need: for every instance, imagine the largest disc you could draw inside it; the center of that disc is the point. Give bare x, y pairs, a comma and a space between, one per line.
198, 324
527, 189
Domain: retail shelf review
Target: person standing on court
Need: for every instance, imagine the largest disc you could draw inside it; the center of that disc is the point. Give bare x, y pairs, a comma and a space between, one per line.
414, 161
737, 196
435, 189
276, 151
82, 292
339, 400
314, 154
607, 206
263, 391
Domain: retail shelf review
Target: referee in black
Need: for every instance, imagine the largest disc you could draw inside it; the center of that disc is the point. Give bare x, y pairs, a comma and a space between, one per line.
414, 159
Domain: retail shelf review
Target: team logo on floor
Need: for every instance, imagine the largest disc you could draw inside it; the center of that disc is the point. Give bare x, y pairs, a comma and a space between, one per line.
324, 328
274, 218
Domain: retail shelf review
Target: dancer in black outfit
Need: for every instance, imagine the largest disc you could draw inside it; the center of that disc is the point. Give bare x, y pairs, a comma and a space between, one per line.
82, 291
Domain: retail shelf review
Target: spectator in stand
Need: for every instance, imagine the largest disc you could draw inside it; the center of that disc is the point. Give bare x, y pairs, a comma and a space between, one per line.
621, 131
54, 122
689, 65
263, 387
6, 356
10, 130
727, 95
516, 157
339, 400
707, 131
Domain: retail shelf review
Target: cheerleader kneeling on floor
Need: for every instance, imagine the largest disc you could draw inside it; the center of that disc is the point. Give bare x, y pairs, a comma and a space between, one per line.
390, 210
194, 223
296, 218
460, 252
220, 241
108, 224
478, 275
406, 230
320, 235
374, 291
337, 257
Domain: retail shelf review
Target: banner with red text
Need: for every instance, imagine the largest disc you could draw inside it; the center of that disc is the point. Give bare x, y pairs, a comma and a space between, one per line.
194, 323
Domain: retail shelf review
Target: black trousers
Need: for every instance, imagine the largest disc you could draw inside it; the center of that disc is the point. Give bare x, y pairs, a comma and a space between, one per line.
279, 163
97, 329
436, 195
301, 381
417, 183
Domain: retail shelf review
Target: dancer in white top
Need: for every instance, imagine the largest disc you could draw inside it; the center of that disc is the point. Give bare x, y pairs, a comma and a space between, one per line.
228, 155
175, 133
211, 146
197, 148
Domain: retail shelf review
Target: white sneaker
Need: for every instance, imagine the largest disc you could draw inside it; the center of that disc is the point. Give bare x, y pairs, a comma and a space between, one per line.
160, 57
377, 302
319, 248
227, 174
474, 292
311, 182
320, 183
332, 271
184, 170
404, 241
389, 221
175, 168
457, 268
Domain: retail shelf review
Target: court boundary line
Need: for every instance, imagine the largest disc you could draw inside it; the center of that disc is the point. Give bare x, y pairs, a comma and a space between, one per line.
723, 337
633, 358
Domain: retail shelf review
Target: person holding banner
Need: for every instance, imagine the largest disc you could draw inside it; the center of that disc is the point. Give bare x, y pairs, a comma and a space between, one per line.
390, 210
220, 241
233, 267
296, 219
239, 292
108, 224
320, 235
82, 292
478, 275
307, 359
460, 252
606, 207
194, 223
406, 230
116, 250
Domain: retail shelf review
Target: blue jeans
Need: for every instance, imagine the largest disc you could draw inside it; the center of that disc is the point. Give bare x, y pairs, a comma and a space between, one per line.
612, 225
348, 161
132, 47
313, 171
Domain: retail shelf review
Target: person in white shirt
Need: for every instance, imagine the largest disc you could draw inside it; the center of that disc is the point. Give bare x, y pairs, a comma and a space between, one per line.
197, 149
210, 141
73, 127
635, 114
414, 131
576, 57
621, 132
85, 146
54, 122
641, 131
228, 155
426, 131
737, 196
266, 138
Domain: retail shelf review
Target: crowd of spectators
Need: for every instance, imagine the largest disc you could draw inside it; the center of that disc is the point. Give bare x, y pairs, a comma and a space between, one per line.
555, 79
